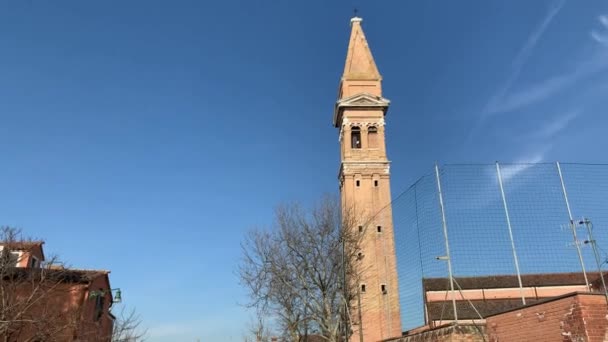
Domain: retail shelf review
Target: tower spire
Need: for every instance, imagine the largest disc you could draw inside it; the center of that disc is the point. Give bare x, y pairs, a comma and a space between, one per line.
360, 64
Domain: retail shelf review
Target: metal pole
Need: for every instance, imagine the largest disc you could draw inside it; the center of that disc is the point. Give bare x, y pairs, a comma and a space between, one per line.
572, 226
504, 202
589, 225
344, 288
306, 316
447, 244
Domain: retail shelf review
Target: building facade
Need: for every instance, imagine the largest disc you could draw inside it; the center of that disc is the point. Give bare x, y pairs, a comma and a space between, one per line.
364, 178
47, 302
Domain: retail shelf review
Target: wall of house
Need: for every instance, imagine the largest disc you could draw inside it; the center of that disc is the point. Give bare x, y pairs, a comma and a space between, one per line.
65, 313
54, 314
26, 257
91, 326
575, 317
447, 333
23, 254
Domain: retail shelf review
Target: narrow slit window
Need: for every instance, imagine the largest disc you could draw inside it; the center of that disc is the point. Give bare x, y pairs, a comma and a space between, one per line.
383, 288
360, 229
362, 288
372, 137
355, 137
358, 182
379, 228
375, 183
99, 305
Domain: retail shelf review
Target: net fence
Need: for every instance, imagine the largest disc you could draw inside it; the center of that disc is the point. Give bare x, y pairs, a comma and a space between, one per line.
500, 219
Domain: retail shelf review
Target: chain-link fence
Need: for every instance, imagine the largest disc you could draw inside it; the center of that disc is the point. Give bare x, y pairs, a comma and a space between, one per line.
513, 220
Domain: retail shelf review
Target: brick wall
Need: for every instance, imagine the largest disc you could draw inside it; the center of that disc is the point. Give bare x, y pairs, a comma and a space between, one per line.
446, 333
573, 317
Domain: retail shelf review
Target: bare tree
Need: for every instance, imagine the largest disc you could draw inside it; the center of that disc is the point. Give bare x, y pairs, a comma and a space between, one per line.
127, 327
304, 271
258, 330
30, 297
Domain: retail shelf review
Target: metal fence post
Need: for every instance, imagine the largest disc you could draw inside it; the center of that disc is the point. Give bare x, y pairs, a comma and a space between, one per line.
504, 202
572, 225
447, 244
593, 243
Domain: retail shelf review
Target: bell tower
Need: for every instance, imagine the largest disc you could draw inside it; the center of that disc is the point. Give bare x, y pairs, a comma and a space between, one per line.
365, 186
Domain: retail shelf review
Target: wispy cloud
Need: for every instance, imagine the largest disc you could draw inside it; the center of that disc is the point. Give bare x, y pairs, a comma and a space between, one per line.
551, 86
543, 137
522, 56
553, 128
507, 100
531, 94
511, 171
542, 140
533, 158
497, 103
601, 36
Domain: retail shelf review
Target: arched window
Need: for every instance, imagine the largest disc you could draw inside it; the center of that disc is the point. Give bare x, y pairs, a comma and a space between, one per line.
355, 137
372, 137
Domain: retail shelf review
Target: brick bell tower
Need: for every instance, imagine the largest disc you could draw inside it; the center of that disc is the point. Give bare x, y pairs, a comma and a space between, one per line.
365, 186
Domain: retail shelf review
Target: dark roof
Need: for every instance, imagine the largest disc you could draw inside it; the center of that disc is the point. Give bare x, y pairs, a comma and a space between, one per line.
57, 274
506, 281
22, 245
443, 310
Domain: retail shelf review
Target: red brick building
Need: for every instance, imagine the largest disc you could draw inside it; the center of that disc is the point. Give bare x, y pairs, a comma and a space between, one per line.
577, 316
559, 307
45, 302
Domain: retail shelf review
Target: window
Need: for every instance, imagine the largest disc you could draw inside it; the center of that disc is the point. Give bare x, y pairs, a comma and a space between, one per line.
359, 256
372, 137
358, 182
8, 258
360, 229
33, 262
99, 304
375, 183
15, 258
379, 229
362, 288
355, 137
383, 288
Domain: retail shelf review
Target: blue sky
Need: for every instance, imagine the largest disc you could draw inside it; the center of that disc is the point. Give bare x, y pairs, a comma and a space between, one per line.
146, 137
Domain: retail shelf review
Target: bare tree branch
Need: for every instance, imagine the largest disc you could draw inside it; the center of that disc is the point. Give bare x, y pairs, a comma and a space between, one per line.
127, 327
304, 271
